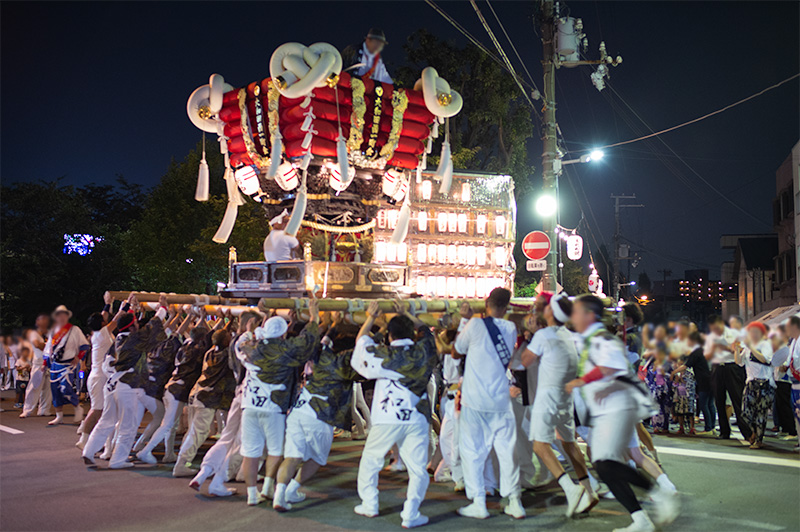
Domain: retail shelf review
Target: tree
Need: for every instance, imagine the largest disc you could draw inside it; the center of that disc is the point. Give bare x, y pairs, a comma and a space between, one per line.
575, 279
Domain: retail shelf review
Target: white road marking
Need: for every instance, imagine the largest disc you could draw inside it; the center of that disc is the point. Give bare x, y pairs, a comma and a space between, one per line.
744, 523
767, 460
10, 430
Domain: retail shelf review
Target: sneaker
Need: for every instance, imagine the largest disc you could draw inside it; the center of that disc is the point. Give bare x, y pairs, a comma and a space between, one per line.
514, 508
363, 509
396, 466
667, 506
474, 510
88, 460
147, 457
170, 458
255, 502
17, 405
77, 417
641, 523
420, 520
586, 503
574, 496
789, 437
216, 491
121, 465
183, 469
295, 496
459, 487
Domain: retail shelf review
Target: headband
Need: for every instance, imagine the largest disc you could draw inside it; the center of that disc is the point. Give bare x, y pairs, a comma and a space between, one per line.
558, 312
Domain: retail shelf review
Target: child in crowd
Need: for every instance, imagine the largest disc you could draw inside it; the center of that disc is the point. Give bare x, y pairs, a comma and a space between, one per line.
22, 369
659, 371
683, 396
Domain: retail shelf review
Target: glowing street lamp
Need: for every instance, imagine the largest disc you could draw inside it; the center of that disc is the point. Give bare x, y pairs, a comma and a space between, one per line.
592, 156
546, 205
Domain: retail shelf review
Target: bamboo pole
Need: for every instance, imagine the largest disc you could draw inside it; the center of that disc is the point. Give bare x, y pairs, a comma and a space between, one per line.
178, 299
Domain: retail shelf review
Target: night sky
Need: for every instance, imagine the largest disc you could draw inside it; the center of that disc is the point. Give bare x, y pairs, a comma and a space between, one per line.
92, 90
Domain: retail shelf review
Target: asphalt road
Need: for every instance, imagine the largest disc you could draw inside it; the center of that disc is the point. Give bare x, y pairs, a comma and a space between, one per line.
44, 485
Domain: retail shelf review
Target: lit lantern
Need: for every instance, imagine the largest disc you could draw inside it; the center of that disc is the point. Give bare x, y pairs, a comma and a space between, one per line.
391, 218
574, 247
470, 287
287, 177
462, 254
452, 287
380, 252
466, 193
480, 224
500, 225
480, 257
391, 252
432, 253
441, 286
441, 222
452, 222
499, 256
461, 287
422, 286
422, 253
441, 253
395, 184
462, 222
422, 219
427, 188
247, 179
381, 219
480, 287
402, 252
336, 182
471, 254
452, 254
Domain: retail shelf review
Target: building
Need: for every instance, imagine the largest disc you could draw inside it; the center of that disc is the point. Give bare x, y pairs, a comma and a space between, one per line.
784, 220
793, 162
752, 271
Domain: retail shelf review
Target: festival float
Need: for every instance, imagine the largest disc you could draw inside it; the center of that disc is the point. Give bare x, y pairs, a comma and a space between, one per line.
347, 157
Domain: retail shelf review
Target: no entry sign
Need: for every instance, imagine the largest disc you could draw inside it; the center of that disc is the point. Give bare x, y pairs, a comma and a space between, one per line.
536, 245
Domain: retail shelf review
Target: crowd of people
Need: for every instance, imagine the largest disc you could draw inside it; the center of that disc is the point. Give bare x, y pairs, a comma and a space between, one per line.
478, 401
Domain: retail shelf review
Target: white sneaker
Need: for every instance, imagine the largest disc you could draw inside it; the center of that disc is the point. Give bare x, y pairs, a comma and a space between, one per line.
121, 465
169, 458
397, 466
475, 510
146, 457
363, 509
279, 504
641, 523
459, 487
295, 496
222, 491
514, 508
54, 422
420, 520
79, 444
77, 417
667, 506
587, 502
255, 502
182, 469
573, 499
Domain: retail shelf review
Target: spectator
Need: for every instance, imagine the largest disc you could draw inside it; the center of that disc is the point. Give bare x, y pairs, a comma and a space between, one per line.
760, 387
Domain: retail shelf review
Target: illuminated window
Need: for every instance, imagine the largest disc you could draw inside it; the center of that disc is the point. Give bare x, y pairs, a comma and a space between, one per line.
462, 254
470, 287
381, 219
441, 286
391, 218
499, 255
461, 287
391, 253
452, 287
431, 253
452, 254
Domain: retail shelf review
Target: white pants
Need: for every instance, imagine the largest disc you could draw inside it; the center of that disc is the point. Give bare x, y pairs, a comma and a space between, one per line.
479, 433
448, 438
523, 450
169, 421
199, 429
96, 385
156, 408
227, 447
611, 435
38, 393
412, 439
262, 428
120, 405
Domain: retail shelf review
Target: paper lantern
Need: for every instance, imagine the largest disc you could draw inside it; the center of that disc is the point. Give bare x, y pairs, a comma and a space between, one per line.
441, 253
471, 255
461, 287
462, 254
402, 252
432, 253
381, 219
441, 222
462, 222
500, 256
480, 224
395, 184
452, 222
427, 188
422, 253
391, 252
422, 285
452, 287
380, 252
287, 176
422, 220
574, 247
480, 257
391, 218
480, 287
466, 192
500, 225
452, 254
470, 287
247, 180
441, 286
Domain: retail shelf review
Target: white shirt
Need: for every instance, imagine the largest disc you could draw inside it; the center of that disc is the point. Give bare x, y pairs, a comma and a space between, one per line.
257, 393
558, 357
101, 343
680, 347
451, 372
485, 386
38, 354
779, 359
755, 370
392, 403
72, 343
278, 246
379, 74
727, 338
605, 396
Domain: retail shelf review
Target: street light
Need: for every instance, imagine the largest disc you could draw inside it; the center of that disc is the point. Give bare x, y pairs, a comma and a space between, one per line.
592, 156
546, 205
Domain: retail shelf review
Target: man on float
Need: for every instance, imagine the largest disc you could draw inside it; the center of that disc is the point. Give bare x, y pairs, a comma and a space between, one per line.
278, 245
366, 62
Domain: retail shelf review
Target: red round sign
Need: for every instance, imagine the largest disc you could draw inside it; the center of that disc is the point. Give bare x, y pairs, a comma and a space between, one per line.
536, 245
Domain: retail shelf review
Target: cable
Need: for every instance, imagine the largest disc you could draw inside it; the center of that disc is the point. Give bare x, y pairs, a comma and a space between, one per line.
718, 111
512, 45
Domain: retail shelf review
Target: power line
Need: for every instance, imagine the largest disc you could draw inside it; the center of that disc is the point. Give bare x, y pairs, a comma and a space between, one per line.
533, 82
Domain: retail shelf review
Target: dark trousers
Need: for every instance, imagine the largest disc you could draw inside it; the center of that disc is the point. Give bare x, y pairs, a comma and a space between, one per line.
705, 404
729, 378
783, 407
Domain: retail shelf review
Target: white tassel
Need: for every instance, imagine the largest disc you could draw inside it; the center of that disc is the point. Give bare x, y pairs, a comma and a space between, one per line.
275, 156
201, 192
299, 209
341, 156
225, 228
307, 101
403, 222
444, 172
419, 173
435, 132
305, 161
429, 147
234, 194
307, 140
309, 120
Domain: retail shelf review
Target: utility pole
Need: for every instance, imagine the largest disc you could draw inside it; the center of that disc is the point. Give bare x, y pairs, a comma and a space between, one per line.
549, 137
616, 266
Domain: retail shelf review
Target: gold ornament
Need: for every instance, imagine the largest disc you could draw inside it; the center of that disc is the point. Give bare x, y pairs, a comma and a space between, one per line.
332, 80
444, 98
257, 89
204, 112
247, 136
357, 116
399, 106
279, 82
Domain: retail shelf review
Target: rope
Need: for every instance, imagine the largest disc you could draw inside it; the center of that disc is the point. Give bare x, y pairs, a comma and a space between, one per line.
337, 229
